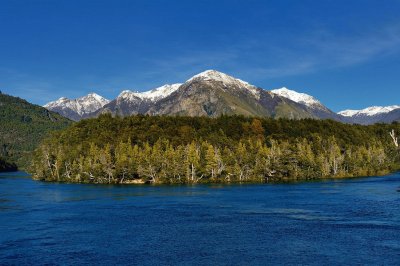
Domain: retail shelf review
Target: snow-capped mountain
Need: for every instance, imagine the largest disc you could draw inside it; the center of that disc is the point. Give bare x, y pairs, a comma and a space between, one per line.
159, 93
133, 102
370, 111
213, 93
314, 106
373, 114
151, 95
298, 97
227, 81
209, 93
75, 109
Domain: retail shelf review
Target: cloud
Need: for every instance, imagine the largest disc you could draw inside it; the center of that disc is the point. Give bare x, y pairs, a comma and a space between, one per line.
267, 57
325, 50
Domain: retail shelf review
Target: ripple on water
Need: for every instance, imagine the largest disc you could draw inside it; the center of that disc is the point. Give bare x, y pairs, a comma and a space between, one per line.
291, 213
352, 222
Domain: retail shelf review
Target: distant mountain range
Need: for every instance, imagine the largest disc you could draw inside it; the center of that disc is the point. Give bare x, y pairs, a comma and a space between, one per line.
374, 114
212, 93
77, 108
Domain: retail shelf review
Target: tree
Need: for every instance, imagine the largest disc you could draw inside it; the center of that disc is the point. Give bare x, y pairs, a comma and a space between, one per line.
211, 160
192, 162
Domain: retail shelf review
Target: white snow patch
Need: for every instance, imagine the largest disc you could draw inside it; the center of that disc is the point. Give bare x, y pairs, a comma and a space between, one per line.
152, 95
297, 97
127, 95
83, 105
226, 80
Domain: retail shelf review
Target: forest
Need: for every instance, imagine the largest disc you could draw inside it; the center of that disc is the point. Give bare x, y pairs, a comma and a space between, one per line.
22, 127
167, 149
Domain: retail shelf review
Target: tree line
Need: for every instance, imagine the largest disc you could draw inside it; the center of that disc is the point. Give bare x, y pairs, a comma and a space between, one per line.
160, 149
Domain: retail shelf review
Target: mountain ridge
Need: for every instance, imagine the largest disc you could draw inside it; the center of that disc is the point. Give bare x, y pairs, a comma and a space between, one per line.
212, 93
74, 109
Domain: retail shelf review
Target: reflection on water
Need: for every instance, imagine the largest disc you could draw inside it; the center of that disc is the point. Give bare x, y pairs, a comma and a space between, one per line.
353, 221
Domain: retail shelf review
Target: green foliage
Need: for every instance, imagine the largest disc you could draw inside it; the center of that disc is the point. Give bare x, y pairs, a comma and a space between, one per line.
161, 149
23, 126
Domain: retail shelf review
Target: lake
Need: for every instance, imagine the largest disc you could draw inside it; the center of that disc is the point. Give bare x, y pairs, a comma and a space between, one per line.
353, 221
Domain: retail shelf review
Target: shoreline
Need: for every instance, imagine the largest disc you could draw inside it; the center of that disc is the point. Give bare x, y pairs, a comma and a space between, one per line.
141, 182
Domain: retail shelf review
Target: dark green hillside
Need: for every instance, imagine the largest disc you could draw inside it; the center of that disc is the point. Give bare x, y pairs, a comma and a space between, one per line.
22, 126
164, 149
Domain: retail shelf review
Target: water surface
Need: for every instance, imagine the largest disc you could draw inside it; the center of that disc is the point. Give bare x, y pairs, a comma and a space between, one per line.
354, 221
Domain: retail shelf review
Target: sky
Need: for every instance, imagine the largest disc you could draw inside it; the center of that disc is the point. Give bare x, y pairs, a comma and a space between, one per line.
344, 53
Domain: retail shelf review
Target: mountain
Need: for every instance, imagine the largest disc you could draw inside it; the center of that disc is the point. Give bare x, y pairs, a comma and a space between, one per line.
374, 114
299, 98
392, 116
210, 93
75, 109
22, 126
130, 103
315, 107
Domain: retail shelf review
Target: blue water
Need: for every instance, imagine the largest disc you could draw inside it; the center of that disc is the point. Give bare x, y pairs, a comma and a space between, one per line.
355, 221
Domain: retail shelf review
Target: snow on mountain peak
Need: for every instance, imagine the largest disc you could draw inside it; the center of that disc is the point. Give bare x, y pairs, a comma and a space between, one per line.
212, 75
369, 111
297, 97
152, 95
125, 94
56, 102
93, 98
82, 105
225, 79
128, 95
159, 93
348, 113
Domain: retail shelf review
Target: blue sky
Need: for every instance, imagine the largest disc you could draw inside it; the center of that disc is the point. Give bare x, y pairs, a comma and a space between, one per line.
345, 53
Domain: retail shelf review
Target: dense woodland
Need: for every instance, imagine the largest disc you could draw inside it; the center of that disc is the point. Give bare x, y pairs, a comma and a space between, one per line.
22, 127
161, 149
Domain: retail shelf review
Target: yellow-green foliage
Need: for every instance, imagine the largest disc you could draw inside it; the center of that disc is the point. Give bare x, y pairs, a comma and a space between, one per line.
225, 149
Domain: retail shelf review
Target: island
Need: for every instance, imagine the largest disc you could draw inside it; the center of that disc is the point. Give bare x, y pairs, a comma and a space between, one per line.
226, 149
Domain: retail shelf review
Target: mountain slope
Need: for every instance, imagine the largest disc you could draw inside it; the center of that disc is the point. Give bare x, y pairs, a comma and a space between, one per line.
23, 126
313, 106
77, 108
299, 97
392, 116
212, 93
130, 103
